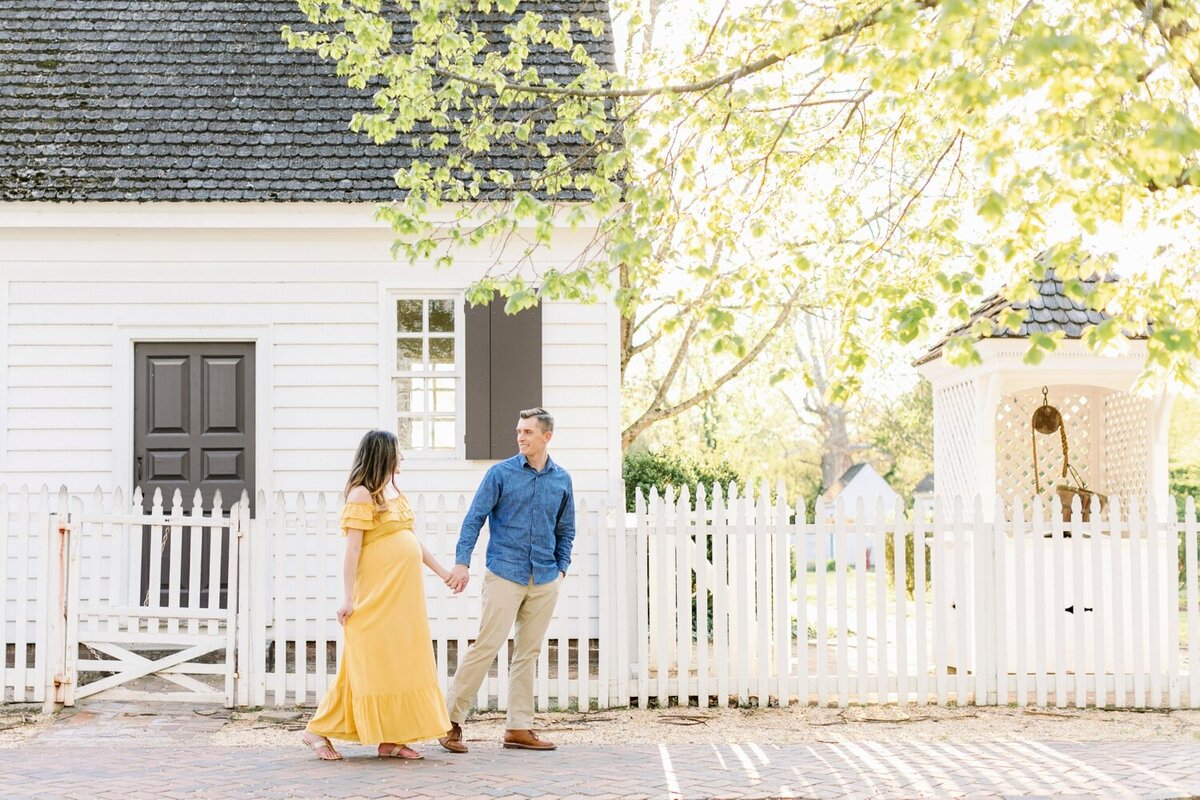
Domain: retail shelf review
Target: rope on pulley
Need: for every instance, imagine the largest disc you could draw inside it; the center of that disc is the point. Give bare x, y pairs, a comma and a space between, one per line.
1047, 419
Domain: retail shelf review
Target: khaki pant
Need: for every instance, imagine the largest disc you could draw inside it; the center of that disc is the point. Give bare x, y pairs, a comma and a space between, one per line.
504, 602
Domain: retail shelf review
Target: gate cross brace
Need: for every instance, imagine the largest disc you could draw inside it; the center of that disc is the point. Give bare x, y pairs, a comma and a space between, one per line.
143, 666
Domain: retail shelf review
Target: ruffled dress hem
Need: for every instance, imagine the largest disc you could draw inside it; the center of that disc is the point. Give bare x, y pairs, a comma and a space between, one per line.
411, 716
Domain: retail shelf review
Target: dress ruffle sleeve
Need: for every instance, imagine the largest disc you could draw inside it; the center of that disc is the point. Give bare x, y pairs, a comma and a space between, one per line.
358, 517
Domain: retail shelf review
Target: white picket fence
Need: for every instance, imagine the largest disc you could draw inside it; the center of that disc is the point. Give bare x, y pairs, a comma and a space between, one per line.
725, 599
1009, 608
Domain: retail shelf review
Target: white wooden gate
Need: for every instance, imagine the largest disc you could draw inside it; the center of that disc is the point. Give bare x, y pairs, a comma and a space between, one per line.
151, 600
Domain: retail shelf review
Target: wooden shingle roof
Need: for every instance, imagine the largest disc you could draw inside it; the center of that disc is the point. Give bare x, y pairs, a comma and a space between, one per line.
200, 100
1049, 311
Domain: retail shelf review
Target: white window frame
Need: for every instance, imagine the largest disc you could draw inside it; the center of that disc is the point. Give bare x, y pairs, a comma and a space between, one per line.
388, 372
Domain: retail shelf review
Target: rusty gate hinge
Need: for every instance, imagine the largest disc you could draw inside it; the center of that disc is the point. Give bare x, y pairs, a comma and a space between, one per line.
65, 528
61, 680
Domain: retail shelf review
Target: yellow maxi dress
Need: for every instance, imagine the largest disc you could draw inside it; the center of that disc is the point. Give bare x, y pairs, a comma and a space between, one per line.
386, 688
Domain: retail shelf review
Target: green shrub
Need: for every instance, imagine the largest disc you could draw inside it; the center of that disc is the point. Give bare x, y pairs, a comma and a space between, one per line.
1185, 482
646, 469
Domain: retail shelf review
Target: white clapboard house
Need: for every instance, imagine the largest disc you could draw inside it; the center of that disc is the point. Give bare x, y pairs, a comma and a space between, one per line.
195, 297
194, 293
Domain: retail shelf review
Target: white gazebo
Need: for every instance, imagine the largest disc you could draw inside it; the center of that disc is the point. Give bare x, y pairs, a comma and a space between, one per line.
983, 438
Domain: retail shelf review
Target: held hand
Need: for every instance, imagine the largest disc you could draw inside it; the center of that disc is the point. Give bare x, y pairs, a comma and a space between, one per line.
344, 612
458, 578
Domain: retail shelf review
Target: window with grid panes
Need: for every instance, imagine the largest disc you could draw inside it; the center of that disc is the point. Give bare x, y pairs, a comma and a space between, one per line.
428, 373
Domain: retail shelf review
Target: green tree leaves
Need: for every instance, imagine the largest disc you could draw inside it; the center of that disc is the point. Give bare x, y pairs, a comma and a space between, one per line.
902, 158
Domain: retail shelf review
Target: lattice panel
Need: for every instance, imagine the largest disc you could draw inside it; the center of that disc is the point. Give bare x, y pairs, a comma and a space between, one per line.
1014, 445
1126, 438
955, 441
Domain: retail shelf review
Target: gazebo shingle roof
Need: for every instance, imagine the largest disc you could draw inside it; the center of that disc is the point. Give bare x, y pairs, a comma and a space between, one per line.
179, 100
1049, 311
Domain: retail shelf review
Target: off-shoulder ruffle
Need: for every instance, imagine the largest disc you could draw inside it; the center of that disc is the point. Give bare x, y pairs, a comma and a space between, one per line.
358, 516
367, 516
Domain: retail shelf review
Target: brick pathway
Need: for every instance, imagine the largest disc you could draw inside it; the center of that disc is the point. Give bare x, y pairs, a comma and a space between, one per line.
97, 756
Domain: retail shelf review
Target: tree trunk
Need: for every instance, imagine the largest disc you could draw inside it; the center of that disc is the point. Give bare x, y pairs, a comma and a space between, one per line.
836, 449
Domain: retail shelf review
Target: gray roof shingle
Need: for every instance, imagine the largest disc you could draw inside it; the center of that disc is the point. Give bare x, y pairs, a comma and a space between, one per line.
1048, 311
132, 100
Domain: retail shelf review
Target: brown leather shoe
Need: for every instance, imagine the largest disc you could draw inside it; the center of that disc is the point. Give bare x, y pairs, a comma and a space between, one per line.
526, 740
453, 740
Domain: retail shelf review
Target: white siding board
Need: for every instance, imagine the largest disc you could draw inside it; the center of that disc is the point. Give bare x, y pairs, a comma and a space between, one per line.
62, 440
578, 416
561, 313
319, 437
61, 355
320, 355
560, 397
308, 419
228, 313
50, 461
191, 292
569, 439
56, 477
573, 334
22, 375
307, 333
60, 397
40, 419
46, 333
576, 355
331, 375
577, 377
312, 460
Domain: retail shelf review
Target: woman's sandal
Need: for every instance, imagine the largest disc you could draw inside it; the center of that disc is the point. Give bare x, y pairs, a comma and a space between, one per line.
401, 751
319, 744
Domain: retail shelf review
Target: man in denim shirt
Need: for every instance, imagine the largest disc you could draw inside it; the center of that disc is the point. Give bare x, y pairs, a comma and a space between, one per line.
530, 508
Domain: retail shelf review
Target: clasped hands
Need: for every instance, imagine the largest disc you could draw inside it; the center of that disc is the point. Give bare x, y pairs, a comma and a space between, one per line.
457, 578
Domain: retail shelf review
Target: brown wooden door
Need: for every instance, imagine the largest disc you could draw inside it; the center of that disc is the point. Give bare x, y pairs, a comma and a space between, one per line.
193, 427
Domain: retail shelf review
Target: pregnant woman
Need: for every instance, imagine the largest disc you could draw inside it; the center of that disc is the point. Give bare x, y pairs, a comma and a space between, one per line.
386, 691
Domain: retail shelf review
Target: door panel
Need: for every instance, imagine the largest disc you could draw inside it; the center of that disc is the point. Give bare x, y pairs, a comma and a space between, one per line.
193, 430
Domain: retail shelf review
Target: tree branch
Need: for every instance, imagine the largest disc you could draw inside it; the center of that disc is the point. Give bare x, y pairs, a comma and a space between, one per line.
725, 79
657, 413
1153, 11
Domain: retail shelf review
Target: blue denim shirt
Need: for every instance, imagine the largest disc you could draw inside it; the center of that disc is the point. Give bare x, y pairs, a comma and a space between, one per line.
532, 521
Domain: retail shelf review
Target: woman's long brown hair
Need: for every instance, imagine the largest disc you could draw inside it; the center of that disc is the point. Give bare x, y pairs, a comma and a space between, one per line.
375, 464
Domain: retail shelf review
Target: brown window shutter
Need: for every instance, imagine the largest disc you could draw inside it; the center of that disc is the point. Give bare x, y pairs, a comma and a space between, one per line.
504, 375
478, 427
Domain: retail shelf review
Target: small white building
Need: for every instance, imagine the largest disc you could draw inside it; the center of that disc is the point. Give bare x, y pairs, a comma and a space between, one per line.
194, 293
861, 482
923, 494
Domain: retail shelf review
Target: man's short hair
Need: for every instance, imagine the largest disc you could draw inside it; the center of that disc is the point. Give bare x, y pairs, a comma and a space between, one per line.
544, 417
